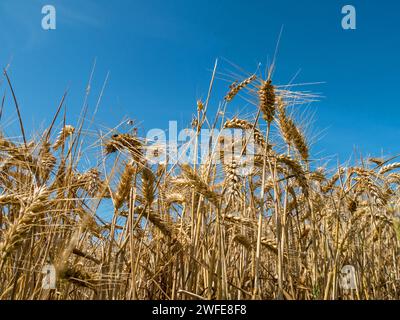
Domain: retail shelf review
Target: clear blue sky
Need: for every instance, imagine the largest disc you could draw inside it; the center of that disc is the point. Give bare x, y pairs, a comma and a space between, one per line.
159, 54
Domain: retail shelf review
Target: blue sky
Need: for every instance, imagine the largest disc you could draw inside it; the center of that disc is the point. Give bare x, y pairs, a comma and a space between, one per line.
160, 55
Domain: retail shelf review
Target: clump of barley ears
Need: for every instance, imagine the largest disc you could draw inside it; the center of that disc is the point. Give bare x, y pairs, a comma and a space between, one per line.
116, 226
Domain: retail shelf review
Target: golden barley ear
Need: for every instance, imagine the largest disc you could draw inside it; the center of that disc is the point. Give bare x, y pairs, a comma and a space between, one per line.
148, 184
291, 133
236, 88
65, 132
124, 186
267, 100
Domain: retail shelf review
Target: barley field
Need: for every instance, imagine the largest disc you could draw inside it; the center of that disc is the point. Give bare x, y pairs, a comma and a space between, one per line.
121, 228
